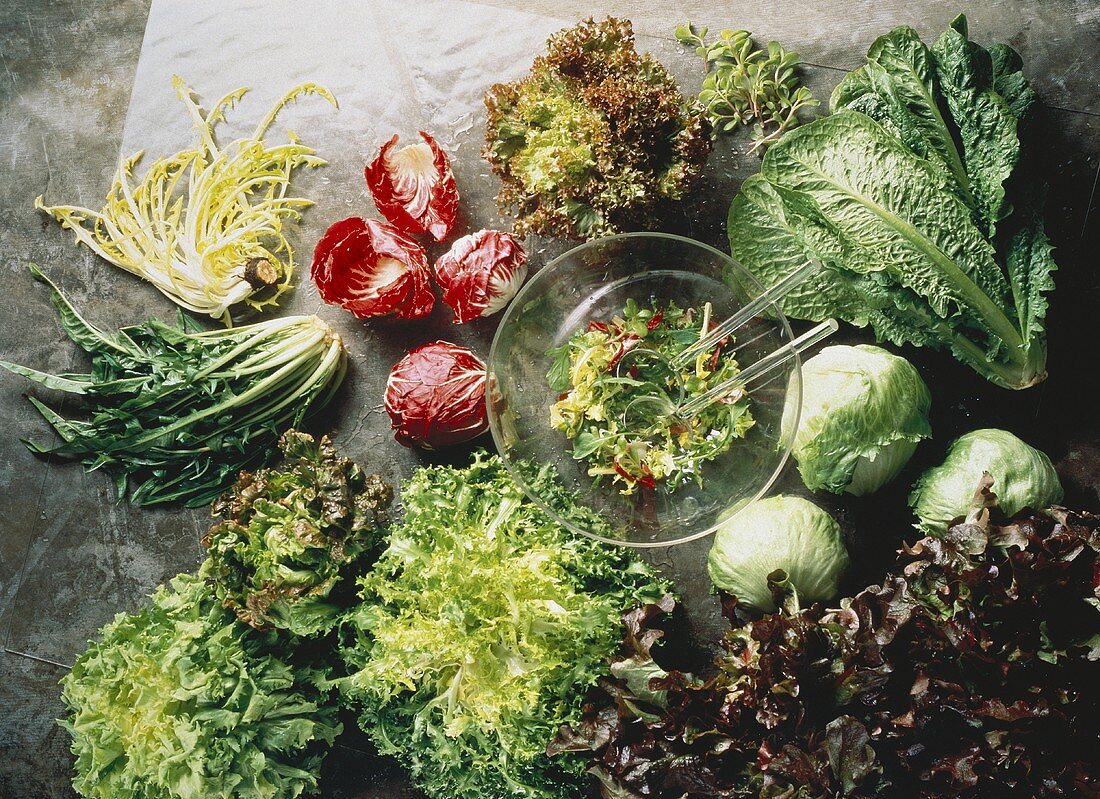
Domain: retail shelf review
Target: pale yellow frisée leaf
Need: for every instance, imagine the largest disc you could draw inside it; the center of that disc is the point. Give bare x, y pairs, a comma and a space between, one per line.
200, 221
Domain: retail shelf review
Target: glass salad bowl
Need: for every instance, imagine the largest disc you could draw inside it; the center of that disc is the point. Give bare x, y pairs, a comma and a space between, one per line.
593, 283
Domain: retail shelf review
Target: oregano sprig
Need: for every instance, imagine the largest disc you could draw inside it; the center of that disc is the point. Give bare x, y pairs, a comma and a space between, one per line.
748, 86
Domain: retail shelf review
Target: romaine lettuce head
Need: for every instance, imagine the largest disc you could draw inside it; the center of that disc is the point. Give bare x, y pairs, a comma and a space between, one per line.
182, 701
482, 627
919, 199
294, 537
1023, 477
780, 532
863, 412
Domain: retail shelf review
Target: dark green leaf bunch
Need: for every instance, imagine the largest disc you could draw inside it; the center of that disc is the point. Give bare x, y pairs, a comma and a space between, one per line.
968, 673
174, 414
597, 139
181, 701
482, 626
293, 537
922, 200
748, 86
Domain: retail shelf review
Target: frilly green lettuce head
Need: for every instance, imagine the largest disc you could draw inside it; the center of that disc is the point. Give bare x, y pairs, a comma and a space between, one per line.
863, 412
483, 624
182, 701
782, 532
294, 537
1022, 477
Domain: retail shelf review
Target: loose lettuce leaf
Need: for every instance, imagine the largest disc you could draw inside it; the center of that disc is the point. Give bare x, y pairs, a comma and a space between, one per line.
1030, 265
1010, 83
182, 701
898, 88
984, 119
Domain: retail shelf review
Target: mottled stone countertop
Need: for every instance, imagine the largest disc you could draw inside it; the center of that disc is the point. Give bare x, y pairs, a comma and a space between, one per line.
76, 88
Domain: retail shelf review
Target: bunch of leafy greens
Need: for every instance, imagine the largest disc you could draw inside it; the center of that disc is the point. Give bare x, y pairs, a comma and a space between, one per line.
294, 537
969, 672
221, 246
918, 198
748, 86
596, 139
182, 701
622, 438
482, 627
179, 412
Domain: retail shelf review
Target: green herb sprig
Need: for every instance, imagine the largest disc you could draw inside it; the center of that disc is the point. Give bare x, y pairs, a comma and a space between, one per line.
748, 86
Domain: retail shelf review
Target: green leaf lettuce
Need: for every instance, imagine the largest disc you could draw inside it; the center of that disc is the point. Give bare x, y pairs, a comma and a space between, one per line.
294, 536
482, 626
179, 700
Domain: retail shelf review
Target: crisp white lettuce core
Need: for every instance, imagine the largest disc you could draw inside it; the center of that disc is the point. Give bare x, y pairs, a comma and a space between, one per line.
414, 174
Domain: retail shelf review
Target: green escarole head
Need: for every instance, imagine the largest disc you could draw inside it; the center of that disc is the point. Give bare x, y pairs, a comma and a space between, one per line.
1023, 477
778, 533
863, 412
181, 701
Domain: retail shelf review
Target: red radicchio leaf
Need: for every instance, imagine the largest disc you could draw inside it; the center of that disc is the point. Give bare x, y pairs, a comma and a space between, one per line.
372, 269
435, 396
414, 187
481, 273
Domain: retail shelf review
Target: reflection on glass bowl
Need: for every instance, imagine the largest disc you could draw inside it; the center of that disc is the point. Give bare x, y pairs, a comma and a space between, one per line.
593, 282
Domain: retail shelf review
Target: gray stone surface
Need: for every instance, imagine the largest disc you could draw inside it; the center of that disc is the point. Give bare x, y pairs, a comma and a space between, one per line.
70, 556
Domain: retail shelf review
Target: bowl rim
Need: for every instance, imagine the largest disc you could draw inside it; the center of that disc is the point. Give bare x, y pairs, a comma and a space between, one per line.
498, 434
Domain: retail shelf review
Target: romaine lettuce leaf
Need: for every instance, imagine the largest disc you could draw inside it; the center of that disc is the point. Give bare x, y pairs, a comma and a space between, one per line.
986, 124
898, 88
901, 209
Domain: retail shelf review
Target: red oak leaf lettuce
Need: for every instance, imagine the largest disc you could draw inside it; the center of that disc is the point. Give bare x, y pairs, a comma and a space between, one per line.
414, 187
481, 273
969, 672
372, 269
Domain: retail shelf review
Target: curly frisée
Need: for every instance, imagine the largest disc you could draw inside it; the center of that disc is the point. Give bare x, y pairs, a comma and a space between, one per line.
597, 408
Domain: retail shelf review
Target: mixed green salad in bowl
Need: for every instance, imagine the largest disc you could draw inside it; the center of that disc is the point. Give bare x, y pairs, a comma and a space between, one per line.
623, 383
592, 368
